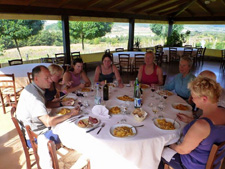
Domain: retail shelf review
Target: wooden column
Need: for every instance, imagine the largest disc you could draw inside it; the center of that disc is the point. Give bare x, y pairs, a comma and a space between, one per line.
66, 38
131, 35
170, 27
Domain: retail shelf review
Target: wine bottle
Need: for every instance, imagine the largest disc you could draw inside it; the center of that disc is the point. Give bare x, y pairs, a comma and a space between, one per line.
106, 91
97, 95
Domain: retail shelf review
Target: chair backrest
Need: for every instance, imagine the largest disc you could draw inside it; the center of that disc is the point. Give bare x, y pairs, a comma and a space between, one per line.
22, 138
188, 51
29, 75
2, 102
60, 58
124, 62
74, 55
32, 137
216, 156
138, 60
107, 51
15, 62
52, 152
119, 49
47, 60
199, 52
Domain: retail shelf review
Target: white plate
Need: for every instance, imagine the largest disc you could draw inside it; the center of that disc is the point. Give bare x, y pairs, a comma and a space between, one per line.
115, 114
88, 89
176, 125
120, 125
71, 95
86, 117
56, 110
123, 100
185, 104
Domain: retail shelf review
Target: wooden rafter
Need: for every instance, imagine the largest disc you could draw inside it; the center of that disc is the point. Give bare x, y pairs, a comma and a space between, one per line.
133, 5
150, 6
30, 2
63, 2
204, 7
190, 12
170, 11
168, 6
91, 3
113, 4
223, 2
186, 6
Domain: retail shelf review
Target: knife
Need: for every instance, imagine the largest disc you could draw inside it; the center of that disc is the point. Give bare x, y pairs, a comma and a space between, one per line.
93, 129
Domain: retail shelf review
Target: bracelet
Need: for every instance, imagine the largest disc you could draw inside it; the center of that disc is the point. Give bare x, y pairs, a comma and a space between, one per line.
60, 104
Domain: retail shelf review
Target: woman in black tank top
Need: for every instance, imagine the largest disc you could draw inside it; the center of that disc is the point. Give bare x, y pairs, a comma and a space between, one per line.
107, 71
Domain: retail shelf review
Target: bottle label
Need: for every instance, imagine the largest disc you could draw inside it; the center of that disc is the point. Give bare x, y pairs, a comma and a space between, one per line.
137, 102
97, 100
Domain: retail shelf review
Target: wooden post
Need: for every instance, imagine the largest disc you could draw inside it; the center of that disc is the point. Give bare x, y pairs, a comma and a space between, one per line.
170, 27
131, 35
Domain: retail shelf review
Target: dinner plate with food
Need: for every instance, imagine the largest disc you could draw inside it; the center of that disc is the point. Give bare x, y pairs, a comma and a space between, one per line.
165, 92
86, 89
62, 110
181, 106
87, 122
166, 124
115, 110
125, 98
72, 99
144, 86
123, 131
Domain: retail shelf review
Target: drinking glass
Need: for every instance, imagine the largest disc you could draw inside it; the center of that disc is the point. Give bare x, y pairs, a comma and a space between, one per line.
124, 107
155, 110
153, 90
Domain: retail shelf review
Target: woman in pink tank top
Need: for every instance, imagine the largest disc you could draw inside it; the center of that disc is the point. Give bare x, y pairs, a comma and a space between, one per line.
150, 73
76, 76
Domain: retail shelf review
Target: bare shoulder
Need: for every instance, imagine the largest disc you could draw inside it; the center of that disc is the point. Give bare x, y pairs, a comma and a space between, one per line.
67, 74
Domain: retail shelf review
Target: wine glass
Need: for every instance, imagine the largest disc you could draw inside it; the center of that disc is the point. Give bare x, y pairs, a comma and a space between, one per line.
153, 90
155, 110
124, 107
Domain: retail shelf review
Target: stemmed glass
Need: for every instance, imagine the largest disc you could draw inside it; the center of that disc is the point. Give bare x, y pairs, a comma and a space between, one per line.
124, 107
155, 110
153, 90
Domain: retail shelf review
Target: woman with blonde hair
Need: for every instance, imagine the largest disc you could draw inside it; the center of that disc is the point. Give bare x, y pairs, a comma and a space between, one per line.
150, 73
200, 134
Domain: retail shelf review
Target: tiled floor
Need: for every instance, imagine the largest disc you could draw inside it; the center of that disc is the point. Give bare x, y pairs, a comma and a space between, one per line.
11, 153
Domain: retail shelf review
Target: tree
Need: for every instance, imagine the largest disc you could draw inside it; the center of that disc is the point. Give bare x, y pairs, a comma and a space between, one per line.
20, 29
89, 30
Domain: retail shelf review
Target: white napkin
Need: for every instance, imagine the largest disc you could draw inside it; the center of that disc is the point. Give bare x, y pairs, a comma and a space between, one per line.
168, 153
100, 110
45, 160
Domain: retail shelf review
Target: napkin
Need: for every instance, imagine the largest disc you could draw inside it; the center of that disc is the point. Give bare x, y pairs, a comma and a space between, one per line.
168, 153
45, 160
100, 110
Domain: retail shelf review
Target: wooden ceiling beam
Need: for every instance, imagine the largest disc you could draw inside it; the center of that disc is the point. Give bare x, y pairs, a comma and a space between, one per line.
113, 4
150, 6
190, 12
91, 3
133, 5
204, 7
30, 2
186, 6
223, 2
170, 11
162, 8
63, 2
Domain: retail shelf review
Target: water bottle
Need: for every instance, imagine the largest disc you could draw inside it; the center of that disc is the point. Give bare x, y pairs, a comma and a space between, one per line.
106, 91
137, 97
97, 95
135, 85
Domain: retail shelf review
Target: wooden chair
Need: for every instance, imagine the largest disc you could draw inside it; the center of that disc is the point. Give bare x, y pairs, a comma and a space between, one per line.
138, 60
60, 58
8, 90
2, 102
150, 49
119, 49
222, 63
33, 137
188, 51
159, 55
55, 162
29, 75
198, 56
173, 54
215, 158
20, 132
124, 61
15, 62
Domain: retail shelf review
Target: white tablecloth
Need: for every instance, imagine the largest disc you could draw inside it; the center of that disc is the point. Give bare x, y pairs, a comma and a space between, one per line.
141, 151
132, 53
20, 72
180, 51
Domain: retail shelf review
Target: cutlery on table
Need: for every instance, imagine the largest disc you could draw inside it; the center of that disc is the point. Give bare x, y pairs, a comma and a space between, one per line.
75, 118
103, 125
93, 129
138, 126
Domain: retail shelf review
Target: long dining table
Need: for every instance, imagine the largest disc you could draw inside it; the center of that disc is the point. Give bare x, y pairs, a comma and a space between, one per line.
20, 72
141, 151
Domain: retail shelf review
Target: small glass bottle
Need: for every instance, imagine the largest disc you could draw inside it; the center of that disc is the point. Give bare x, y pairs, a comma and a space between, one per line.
106, 91
135, 85
97, 95
137, 97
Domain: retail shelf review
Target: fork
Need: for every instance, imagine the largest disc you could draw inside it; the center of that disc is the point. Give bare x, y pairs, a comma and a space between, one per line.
103, 125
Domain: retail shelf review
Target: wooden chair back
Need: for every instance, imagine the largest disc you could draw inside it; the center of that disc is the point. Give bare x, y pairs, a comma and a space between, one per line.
2, 102
22, 139
8, 90
216, 156
15, 62
74, 55
173, 54
119, 49
188, 51
124, 61
29, 75
198, 56
53, 154
159, 54
60, 58
32, 137
138, 60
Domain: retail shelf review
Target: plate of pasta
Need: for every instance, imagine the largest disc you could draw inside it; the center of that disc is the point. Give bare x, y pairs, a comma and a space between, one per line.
181, 106
125, 98
62, 110
123, 131
166, 124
